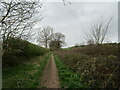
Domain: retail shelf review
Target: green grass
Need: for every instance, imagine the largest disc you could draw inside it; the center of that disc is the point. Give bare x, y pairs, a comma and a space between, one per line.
68, 79
25, 76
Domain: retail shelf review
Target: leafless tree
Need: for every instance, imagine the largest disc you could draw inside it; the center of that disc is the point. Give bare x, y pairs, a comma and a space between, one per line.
98, 31
58, 40
44, 36
17, 18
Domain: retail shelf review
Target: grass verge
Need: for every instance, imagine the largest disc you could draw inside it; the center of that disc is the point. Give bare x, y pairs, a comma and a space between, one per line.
25, 76
68, 79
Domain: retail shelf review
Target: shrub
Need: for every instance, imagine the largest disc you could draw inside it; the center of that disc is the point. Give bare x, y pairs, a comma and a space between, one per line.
98, 65
95, 50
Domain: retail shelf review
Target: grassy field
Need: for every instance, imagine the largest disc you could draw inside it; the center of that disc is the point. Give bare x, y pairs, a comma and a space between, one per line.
68, 78
98, 66
25, 76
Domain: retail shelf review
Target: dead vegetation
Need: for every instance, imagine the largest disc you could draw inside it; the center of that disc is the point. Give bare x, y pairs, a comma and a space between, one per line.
98, 65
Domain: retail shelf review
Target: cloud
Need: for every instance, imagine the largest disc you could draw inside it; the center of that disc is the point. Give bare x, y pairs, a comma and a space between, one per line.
73, 20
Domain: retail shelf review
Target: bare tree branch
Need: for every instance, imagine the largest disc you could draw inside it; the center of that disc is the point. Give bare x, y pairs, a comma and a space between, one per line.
98, 31
18, 18
44, 36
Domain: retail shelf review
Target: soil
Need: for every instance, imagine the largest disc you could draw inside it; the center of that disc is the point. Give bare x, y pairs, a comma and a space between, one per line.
50, 75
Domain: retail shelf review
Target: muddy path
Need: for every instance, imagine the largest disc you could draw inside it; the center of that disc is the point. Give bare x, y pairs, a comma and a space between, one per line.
50, 75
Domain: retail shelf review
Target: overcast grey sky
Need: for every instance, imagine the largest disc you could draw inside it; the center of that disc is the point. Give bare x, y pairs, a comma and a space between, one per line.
73, 20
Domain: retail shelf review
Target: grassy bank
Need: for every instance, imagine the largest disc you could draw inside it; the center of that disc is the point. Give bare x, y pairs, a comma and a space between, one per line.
17, 52
68, 79
25, 76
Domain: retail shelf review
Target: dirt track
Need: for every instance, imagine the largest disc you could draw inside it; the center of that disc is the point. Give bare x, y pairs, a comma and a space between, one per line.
50, 76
